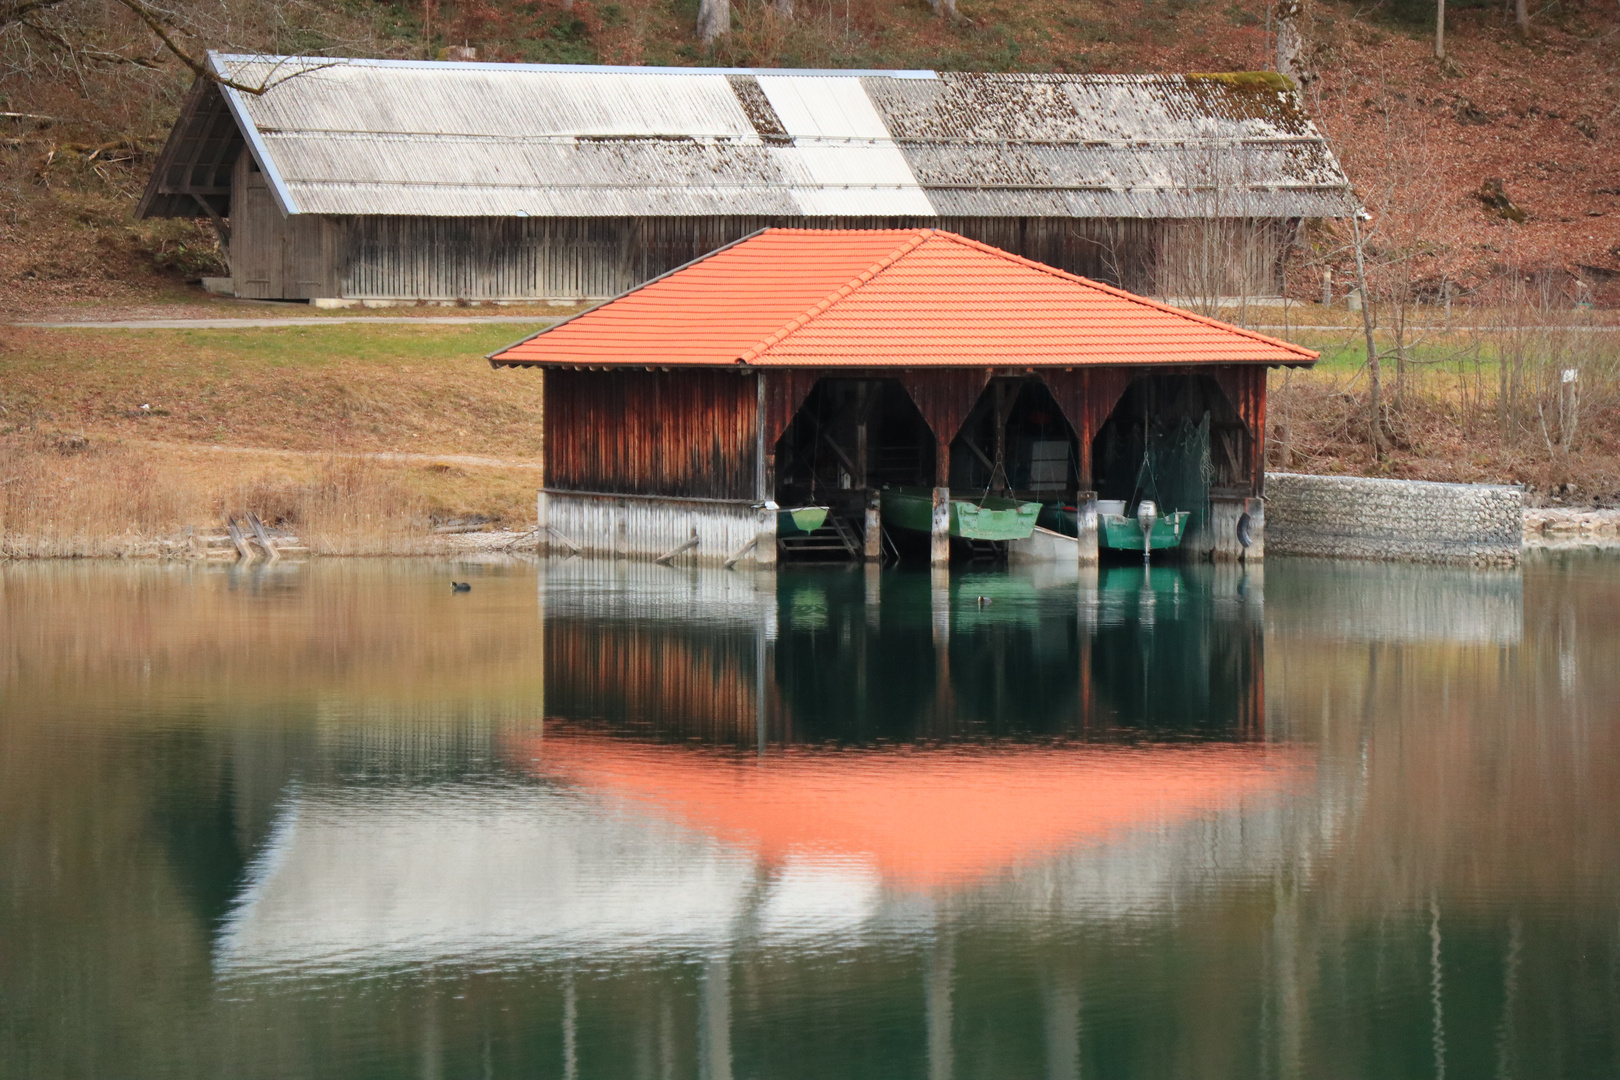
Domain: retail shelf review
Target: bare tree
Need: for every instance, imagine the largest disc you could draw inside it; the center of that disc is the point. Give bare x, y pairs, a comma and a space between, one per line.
714, 20
1439, 29
1293, 47
52, 23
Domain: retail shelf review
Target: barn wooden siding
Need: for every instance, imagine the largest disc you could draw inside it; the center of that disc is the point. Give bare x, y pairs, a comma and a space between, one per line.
406, 258
682, 434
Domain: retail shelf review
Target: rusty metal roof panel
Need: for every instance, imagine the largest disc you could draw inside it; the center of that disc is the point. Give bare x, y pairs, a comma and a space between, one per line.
454, 139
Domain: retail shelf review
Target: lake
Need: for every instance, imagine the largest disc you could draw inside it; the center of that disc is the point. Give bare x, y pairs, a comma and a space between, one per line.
596, 819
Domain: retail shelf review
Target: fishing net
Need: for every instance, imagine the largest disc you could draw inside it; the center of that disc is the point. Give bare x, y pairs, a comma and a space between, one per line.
1177, 470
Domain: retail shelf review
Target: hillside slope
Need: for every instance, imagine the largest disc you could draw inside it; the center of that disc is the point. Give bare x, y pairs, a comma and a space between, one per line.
1419, 137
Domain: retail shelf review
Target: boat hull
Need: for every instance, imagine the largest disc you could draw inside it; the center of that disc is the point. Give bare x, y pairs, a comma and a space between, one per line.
800, 521
1120, 533
984, 519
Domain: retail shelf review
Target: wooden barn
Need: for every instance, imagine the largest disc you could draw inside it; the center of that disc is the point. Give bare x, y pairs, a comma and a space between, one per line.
903, 381
388, 181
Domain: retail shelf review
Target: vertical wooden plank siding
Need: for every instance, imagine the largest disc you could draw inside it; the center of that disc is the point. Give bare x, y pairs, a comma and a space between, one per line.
1245, 386
785, 392
684, 434
374, 257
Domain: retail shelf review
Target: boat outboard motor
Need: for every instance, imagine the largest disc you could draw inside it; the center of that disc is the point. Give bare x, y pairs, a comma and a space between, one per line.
1146, 515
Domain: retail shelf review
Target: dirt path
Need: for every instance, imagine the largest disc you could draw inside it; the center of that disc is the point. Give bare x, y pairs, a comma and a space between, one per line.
370, 455
304, 320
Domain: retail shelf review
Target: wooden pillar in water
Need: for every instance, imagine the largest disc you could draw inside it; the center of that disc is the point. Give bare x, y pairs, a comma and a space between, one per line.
764, 481
874, 526
939, 545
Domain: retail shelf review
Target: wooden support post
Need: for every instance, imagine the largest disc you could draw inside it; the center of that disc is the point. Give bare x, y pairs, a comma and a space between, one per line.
736, 556
939, 545
542, 522
1085, 513
765, 538
874, 526
998, 470
686, 545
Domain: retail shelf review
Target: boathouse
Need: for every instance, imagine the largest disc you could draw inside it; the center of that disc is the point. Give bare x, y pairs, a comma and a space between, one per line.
871, 372
387, 181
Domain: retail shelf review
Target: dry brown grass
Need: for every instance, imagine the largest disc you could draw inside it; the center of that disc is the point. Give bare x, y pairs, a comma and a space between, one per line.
78, 496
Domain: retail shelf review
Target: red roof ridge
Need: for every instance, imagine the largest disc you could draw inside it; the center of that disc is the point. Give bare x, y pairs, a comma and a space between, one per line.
1123, 295
804, 318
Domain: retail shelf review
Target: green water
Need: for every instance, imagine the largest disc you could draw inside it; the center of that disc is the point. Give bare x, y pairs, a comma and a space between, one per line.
597, 820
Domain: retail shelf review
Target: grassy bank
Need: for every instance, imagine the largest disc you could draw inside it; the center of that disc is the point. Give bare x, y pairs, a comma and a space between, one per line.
112, 440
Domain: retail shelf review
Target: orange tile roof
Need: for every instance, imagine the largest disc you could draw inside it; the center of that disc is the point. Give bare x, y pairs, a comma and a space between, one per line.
885, 298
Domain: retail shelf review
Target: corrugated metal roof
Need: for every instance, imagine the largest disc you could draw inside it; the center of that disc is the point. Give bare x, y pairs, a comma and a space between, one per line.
451, 139
885, 298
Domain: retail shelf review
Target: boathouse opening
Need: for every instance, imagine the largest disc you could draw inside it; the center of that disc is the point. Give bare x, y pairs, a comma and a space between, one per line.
851, 435
1176, 439
1016, 442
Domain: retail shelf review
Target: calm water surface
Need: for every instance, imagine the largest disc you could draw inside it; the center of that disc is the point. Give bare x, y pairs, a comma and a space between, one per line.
597, 820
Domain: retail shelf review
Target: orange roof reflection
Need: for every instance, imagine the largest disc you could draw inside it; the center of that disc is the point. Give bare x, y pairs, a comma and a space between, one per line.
924, 817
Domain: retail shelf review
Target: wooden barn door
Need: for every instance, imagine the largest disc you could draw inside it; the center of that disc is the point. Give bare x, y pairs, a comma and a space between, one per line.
256, 234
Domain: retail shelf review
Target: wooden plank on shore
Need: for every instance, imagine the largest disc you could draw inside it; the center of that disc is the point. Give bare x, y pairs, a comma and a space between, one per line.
262, 536
238, 541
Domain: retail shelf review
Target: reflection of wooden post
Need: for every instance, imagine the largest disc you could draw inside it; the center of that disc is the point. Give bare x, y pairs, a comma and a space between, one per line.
570, 1029
874, 526
939, 546
937, 987
714, 1031
1063, 1030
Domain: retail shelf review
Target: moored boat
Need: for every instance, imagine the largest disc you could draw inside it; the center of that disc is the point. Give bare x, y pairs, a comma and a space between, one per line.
971, 519
800, 521
1121, 533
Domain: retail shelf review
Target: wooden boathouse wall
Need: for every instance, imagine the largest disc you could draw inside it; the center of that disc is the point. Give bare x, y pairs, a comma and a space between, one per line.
685, 434
691, 433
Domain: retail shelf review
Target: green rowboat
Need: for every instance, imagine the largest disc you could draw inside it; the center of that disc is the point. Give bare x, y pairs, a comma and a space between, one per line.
1121, 533
971, 519
800, 521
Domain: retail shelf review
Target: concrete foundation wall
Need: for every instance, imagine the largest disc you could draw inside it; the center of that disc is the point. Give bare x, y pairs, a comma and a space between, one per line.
1398, 520
650, 527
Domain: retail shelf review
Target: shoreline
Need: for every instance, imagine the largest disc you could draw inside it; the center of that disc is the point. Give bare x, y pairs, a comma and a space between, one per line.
1545, 528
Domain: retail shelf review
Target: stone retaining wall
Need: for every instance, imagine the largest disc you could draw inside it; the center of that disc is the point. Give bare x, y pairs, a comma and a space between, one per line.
1399, 520
1559, 526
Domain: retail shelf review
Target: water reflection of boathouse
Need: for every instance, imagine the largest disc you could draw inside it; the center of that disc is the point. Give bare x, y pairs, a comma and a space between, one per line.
893, 376
858, 658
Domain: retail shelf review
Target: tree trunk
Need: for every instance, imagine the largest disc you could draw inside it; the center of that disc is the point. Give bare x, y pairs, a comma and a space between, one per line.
714, 19
1293, 22
1440, 29
784, 9
1375, 389
1521, 16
